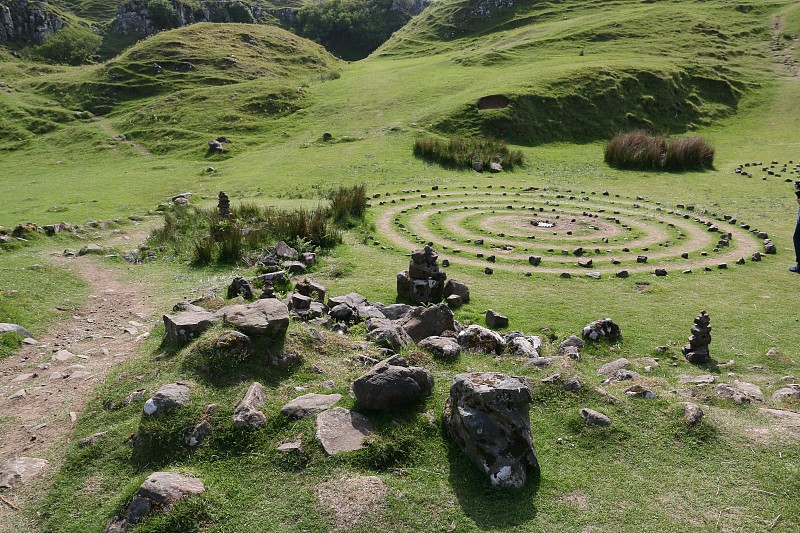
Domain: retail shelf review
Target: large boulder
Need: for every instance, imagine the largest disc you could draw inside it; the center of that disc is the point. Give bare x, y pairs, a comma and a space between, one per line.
185, 327
392, 383
445, 348
168, 397
247, 413
159, 493
423, 322
262, 318
480, 339
387, 334
488, 417
458, 288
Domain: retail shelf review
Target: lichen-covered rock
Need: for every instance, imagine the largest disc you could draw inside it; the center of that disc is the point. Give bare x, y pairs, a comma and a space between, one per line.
522, 345
392, 383
488, 417
167, 397
480, 339
445, 348
233, 345
604, 328
247, 413
341, 430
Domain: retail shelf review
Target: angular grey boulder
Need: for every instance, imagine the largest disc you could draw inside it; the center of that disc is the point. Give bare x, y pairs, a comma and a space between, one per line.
387, 334
340, 430
247, 412
445, 348
262, 318
14, 328
395, 311
424, 322
478, 338
488, 417
159, 493
594, 418
187, 326
454, 287
167, 397
495, 319
520, 344
392, 383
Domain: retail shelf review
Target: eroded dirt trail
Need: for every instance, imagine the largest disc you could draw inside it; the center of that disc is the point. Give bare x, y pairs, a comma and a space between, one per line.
60, 372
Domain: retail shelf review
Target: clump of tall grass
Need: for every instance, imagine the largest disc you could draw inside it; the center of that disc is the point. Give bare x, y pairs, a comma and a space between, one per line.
640, 150
348, 205
461, 152
204, 237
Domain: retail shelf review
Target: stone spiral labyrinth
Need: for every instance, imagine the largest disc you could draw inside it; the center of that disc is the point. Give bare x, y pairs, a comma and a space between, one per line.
567, 232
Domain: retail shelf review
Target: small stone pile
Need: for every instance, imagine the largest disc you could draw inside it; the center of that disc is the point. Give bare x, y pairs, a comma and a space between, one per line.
224, 205
423, 282
697, 350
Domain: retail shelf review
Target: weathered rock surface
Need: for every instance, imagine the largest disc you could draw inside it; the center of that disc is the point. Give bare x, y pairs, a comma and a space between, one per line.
167, 397
159, 493
187, 326
605, 328
395, 311
340, 430
488, 417
262, 318
519, 344
392, 383
478, 338
495, 319
14, 328
20, 470
309, 404
446, 348
455, 287
692, 413
740, 392
594, 418
234, 345
611, 368
247, 413
241, 287
423, 322
789, 392
387, 334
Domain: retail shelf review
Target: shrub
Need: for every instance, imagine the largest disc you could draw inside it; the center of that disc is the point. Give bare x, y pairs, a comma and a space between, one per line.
163, 14
72, 44
349, 205
462, 152
640, 150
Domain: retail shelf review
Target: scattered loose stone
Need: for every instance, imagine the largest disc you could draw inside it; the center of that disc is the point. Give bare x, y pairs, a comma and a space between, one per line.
495, 320
789, 392
91, 440
202, 429
692, 413
309, 404
387, 334
740, 392
392, 383
640, 391
457, 288
445, 348
594, 418
247, 413
340, 430
14, 328
488, 417
699, 380
519, 344
20, 470
478, 338
169, 396
241, 287
159, 493
611, 368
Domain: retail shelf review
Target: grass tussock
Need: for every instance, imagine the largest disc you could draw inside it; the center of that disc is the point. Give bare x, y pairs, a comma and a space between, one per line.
461, 152
349, 205
640, 150
204, 237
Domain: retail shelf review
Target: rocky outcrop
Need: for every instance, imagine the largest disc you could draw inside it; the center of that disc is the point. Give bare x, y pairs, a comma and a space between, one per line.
28, 21
488, 417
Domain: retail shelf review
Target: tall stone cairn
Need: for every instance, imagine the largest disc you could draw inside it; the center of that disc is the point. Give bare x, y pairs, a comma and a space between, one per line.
224, 205
696, 351
423, 282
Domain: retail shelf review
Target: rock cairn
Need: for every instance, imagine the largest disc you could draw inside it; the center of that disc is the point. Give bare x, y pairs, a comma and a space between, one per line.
423, 282
697, 350
224, 205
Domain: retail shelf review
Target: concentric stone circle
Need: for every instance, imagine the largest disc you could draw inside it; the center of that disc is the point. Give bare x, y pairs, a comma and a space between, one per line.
550, 230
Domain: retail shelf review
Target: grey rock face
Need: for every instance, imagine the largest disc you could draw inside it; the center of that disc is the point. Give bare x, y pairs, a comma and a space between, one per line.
423, 322
392, 383
445, 348
454, 287
604, 328
167, 397
247, 412
309, 404
387, 334
519, 344
594, 418
478, 338
488, 417
20, 470
185, 327
159, 493
340, 430
262, 318
24, 20
14, 328
312, 289
740, 392
496, 320
395, 311
692, 413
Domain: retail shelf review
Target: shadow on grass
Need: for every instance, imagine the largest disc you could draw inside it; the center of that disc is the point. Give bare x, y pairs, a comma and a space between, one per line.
488, 506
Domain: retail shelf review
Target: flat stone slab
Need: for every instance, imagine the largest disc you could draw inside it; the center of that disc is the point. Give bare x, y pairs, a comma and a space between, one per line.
611, 368
699, 380
187, 326
341, 430
268, 317
20, 470
789, 418
309, 404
